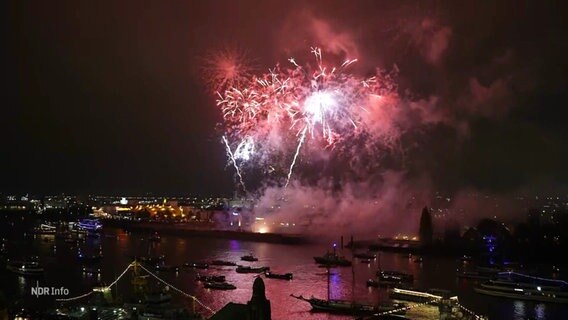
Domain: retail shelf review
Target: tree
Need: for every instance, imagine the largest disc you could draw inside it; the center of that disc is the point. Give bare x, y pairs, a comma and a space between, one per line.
426, 231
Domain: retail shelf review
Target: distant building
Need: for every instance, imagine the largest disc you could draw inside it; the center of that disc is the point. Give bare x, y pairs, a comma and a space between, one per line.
258, 308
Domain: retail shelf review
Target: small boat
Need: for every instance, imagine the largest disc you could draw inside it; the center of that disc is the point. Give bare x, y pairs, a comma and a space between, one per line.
332, 259
196, 265
222, 263
524, 287
219, 286
246, 269
88, 259
351, 308
394, 276
249, 257
166, 268
44, 229
155, 237
150, 260
90, 224
91, 271
365, 255
272, 275
211, 278
26, 268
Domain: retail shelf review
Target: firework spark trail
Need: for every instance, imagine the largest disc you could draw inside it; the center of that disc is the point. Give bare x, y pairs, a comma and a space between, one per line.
302, 138
230, 154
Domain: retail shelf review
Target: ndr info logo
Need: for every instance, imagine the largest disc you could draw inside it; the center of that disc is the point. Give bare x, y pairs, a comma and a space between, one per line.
49, 291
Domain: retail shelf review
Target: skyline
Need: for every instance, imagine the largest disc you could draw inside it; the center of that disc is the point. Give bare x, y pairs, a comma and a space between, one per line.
107, 98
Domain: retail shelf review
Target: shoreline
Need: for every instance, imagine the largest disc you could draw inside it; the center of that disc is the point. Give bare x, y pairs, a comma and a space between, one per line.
188, 231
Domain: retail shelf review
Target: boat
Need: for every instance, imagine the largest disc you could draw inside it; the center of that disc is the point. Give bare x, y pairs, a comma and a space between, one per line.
418, 260
90, 224
476, 275
332, 259
210, 278
365, 260
155, 237
222, 263
44, 229
88, 259
272, 275
394, 276
150, 260
365, 255
465, 258
249, 257
166, 268
219, 286
524, 287
196, 265
26, 268
431, 296
246, 269
89, 271
351, 308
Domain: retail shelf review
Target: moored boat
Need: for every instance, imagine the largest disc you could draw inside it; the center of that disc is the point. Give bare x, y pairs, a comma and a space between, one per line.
223, 263
524, 287
246, 269
249, 257
283, 276
210, 278
332, 259
350, 308
26, 268
219, 286
431, 296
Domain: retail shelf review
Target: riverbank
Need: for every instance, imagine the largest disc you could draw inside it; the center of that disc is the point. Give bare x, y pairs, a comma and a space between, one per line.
187, 230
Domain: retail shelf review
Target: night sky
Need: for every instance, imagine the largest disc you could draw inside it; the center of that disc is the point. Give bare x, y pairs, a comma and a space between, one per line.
106, 96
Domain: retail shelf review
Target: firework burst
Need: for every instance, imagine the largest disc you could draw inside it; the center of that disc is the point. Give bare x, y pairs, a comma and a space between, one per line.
275, 115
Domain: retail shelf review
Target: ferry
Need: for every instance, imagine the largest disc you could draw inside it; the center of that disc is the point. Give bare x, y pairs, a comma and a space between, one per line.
524, 287
90, 224
223, 263
432, 295
196, 265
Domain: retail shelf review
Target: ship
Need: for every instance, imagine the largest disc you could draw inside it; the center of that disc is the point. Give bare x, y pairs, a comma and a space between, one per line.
90, 224
524, 287
283, 276
351, 308
245, 269
249, 258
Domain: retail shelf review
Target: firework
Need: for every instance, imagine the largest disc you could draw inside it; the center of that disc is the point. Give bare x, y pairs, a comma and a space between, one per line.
225, 68
271, 117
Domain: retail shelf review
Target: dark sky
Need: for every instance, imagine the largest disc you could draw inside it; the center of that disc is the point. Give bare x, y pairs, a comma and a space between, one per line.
104, 96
